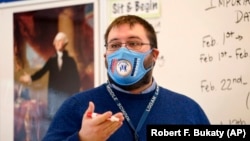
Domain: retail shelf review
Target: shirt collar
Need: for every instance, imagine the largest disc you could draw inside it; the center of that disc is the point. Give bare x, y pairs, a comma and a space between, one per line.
59, 53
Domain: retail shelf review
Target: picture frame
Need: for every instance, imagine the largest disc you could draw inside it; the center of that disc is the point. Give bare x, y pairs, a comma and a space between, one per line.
36, 23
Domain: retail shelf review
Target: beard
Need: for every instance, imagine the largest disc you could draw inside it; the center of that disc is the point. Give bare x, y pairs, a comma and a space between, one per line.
147, 78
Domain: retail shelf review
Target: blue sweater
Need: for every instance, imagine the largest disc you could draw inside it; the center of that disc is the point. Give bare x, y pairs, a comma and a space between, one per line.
169, 108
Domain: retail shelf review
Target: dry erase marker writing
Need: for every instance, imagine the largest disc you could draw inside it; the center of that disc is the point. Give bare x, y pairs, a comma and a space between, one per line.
93, 115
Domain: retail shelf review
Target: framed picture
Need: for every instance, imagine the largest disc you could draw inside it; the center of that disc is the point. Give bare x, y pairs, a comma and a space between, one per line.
32, 85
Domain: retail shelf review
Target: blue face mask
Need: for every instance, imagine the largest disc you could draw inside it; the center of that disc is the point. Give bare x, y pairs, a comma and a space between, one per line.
126, 67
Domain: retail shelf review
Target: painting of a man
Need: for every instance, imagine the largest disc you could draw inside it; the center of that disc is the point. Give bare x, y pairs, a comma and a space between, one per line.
53, 59
63, 78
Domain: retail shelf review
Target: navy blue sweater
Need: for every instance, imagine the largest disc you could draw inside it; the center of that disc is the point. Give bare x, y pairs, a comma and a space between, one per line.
169, 108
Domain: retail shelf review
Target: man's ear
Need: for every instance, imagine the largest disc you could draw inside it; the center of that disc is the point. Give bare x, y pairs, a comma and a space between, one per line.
155, 53
105, 60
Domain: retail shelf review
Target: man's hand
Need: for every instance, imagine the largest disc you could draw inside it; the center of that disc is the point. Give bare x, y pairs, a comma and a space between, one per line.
99, 128
25, 78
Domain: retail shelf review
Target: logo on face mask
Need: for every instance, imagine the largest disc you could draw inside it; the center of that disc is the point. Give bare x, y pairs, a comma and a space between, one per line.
123, 67
126, 67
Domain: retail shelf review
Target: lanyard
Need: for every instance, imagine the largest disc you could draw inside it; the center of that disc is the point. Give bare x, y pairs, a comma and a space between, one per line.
143, 117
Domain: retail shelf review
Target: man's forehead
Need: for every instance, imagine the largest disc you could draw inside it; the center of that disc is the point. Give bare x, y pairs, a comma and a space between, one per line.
125, 30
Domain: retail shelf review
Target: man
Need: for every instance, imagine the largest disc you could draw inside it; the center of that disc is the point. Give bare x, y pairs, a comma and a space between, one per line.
131, 96
63, 78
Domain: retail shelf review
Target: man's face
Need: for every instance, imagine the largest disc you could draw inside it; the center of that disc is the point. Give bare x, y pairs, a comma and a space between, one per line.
125, 33
59, 44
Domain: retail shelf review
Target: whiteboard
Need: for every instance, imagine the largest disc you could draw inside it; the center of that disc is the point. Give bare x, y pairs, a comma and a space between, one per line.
204, 52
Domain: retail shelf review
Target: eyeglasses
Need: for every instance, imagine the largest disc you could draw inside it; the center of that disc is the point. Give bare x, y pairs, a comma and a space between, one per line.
131, 45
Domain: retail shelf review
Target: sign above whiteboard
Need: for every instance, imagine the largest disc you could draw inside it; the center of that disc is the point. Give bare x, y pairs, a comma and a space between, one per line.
144, 8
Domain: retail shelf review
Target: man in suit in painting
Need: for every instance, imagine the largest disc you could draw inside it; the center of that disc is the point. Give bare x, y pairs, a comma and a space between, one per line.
63, 78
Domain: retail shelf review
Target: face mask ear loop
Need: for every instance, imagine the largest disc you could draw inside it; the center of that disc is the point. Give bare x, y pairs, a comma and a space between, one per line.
151, 67
153, 63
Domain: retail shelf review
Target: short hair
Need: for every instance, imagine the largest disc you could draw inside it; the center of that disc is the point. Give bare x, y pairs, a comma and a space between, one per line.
60, 36
132, 20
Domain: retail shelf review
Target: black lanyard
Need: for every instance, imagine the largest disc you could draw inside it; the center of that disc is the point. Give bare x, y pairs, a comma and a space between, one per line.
143, 117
